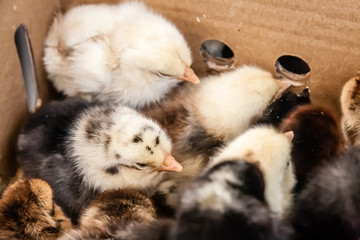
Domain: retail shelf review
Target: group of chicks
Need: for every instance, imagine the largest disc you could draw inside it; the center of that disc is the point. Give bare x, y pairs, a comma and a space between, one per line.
134, 152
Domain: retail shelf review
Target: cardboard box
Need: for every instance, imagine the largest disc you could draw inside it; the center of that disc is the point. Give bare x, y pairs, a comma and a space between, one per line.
325, 34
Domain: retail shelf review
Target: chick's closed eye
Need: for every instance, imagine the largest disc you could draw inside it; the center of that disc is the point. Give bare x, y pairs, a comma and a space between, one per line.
141, 166
163, 75
137, 139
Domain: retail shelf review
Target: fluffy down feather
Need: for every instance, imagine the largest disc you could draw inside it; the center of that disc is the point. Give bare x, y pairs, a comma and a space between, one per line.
277, 111
226, 202
111, 210
265, 146
350, 102
328, 207
81, 148
317, 139
199, 119
28, 212
123, 53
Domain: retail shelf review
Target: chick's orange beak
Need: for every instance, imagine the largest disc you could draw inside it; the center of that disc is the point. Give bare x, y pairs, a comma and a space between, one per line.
170, 164
190, 76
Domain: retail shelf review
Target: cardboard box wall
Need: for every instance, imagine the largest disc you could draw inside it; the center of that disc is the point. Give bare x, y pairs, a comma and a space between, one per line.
326, 34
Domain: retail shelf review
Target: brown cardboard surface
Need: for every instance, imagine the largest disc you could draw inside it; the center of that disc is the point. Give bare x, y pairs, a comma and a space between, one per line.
326, 34
13, 106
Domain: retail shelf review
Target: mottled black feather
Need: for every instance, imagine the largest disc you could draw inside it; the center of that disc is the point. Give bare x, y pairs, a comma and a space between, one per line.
328, 208
43, 148
233, 223
280, 108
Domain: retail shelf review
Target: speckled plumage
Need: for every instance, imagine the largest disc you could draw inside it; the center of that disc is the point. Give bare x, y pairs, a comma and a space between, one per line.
225, 202
328, 207
82, 149
275, 113
270, 149
199, 119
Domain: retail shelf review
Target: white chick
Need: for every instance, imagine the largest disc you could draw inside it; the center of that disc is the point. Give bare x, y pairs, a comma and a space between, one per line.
123, 53
82, 149
227, 104
264, 146
199, 119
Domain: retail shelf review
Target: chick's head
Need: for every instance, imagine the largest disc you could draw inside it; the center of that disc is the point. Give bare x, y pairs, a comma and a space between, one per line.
270, 150
141, 154
157, 50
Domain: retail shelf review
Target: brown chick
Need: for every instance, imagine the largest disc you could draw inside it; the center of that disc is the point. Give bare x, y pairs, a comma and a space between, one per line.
27, 211
112, 208
350, 102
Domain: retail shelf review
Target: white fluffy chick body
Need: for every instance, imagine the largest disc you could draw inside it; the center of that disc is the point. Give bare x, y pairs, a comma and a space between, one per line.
122, 53
227, 104
264, 146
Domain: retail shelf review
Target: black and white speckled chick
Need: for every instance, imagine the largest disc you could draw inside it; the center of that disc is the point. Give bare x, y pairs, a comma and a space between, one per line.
226, 202
282, 107
328, 208
81, 149
270, 150
350, 107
